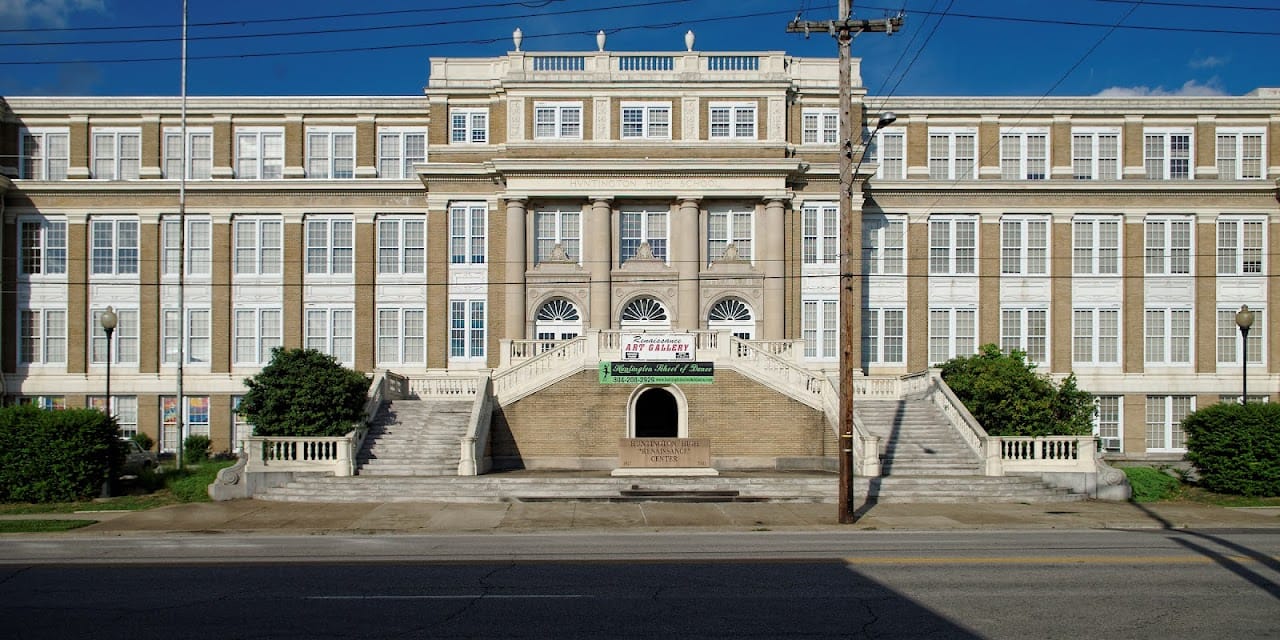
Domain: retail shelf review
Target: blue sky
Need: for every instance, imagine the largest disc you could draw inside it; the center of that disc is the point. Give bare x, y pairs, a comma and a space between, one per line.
948, 47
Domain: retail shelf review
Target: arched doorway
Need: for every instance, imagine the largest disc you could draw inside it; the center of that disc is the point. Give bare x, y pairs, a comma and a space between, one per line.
732, 315
645, 313
657, 414
557, 319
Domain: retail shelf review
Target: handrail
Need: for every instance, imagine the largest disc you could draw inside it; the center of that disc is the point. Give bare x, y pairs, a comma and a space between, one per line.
958, 415
476, 441
535, 373
1022, 454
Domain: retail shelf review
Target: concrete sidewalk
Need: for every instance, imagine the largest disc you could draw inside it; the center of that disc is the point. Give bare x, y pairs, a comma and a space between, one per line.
252, 516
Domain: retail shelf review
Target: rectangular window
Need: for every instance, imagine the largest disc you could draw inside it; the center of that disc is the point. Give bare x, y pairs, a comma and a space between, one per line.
821, 232
1168, 336
1024, 154
42, 336
646, 121
198, 245
259, 245
1095, 245
821, 326
727, 226
241, 428
1164, 422
732, 121
48, 403
953, 154
195, 417
883, 336
43, 249
1168, 245
255, 332
260, 154
1024, 245
1241, 153
330, 245
466, 329
889, 150
557, 226
884, 245
198, 152
124, 340
952, 333
468, 126
402, 336
402, 245
1240, 246
44, 154
557, 120
197, 327
1107, 423
643, 226
1025, 330
1095, 154
820, 126
399, 150
125, 410
331, 153
953, 245
1095, 336
1229, 336
113, 246
1167, 153
331, 330
117, 154
468, 224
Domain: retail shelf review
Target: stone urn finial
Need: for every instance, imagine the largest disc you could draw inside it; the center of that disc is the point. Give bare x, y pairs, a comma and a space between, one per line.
517, 37
600, 40
688, 40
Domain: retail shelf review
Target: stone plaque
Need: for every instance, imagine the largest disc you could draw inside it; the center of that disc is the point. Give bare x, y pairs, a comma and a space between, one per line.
663, 453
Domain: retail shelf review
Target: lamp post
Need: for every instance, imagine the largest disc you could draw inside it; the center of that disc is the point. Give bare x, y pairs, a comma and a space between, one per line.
108, 321
1244, 320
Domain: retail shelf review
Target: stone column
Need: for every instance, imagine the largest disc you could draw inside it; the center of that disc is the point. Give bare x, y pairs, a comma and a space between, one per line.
516, 263
688, 263
773, 259
597, 254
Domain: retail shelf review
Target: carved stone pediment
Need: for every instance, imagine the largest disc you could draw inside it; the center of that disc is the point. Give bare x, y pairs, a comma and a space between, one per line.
645, 262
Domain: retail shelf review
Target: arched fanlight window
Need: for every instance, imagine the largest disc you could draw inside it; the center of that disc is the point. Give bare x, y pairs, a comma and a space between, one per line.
644, 309
730, 310
558, 310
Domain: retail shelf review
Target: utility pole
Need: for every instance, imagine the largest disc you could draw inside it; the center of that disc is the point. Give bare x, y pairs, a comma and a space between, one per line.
844, 30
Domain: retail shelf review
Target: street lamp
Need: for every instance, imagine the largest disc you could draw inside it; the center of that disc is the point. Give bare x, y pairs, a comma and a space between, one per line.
108, 321
1244, 320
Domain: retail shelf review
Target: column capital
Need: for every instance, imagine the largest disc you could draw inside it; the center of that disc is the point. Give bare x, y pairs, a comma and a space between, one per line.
515, 200
776, 200
689, 199
600, 199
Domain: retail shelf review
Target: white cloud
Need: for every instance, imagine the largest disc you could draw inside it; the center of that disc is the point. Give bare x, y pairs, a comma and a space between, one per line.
1207, 62
49, 13
1189, 88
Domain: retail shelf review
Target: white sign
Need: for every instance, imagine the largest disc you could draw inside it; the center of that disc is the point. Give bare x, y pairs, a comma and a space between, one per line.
657, 346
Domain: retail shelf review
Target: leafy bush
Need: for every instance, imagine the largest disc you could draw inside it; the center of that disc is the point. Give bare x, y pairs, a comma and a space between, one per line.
1008, 398
143, 440
56, 456
1236, 448
303, 392
195, 449
1151, 485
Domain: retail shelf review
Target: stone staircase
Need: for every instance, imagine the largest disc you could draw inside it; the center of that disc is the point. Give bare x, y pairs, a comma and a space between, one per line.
415, 438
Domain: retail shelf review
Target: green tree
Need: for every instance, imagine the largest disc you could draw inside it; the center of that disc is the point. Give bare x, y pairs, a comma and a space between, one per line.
303, 392
1008, 398
1236, 448
56, 456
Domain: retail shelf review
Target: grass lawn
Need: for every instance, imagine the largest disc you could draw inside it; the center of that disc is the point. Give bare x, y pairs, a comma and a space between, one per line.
168, 486
1154, 485
42, 526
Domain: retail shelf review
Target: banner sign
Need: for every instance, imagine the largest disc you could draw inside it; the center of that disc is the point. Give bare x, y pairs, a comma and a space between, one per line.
657, 346
657, 373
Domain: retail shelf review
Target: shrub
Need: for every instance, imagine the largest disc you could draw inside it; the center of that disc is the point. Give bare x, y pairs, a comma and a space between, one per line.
1008, 398
195, 449
56, 456
143, 440
1151, 485
303, 392
1236, 448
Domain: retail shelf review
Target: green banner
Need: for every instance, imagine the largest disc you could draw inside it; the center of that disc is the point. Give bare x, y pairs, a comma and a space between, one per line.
657, 372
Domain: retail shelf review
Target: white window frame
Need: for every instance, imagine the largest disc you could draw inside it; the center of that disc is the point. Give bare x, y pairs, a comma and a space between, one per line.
889, 140
820, 125
42, 254
263, 159
397, 163
565, 121
557, 225
821, 233
884, 244
198, 152
732, 121
117, 167
1164, 425
1168, 252
1020, 253
653, 123
1234, 160
328, 256
943, 150
1092, 338
1027, 330
947, 255
1228, 332
252, 330
121, 256
265, 256
197, 347
53, 146
1018, 158
326, 164
330, 329
654, 232
884, 335
1158, 153
1238, 257
947, 339
123, 408
199, 247
1096, 258
396, 344
1105, 423
1087, 147
402, 245
124, 340
240, 427
468, 233
468, 329
730, 224
469, 125
820, 328
1168, 336
42, 336
194, 427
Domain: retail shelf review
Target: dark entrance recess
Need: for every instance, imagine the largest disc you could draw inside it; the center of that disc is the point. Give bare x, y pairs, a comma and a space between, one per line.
657, 415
